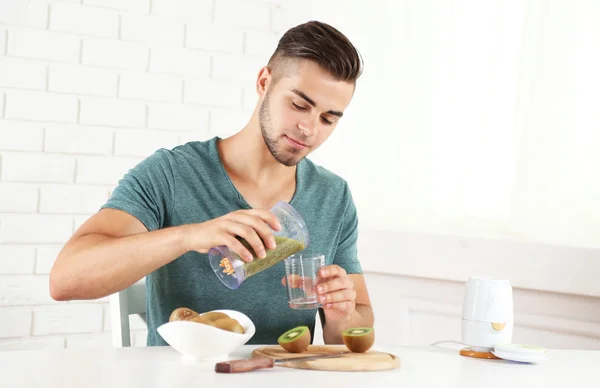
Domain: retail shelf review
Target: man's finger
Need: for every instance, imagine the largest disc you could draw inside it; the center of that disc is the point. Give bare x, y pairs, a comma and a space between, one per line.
340, 306
267, 217
334, 284
338, 296
331, 271
296, 281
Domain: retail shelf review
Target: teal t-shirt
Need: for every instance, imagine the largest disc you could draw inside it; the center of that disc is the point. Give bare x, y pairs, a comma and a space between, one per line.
189, 184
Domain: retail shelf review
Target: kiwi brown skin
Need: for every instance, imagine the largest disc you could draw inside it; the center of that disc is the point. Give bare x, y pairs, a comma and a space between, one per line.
298, 344
359, 343
229, 324
202, 320
214, 315
182, 314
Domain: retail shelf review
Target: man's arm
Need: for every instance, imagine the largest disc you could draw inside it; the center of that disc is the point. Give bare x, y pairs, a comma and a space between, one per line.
126, 239
361, 316
113, 249
123, 242
344, 295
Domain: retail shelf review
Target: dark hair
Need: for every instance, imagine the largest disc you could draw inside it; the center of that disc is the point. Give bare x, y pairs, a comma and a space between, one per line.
323, 44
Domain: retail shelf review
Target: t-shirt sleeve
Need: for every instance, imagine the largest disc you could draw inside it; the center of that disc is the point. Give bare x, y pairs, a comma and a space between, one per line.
346, 255
146, 191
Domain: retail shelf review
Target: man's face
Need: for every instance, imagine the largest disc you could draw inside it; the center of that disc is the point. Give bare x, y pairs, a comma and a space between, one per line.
300, 111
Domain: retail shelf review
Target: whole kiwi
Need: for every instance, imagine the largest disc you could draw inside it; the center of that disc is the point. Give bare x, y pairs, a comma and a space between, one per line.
214, 315
201, 319
182, 314
229, 324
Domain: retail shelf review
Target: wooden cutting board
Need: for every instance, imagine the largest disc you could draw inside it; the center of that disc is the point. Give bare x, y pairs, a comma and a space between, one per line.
370, 361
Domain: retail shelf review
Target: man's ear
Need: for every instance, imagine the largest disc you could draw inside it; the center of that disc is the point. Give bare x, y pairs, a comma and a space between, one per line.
263, 81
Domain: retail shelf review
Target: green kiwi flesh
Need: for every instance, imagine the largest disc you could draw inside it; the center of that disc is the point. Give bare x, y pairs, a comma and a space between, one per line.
295, 340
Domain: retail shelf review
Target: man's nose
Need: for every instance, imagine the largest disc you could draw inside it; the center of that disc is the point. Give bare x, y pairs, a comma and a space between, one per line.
307, 128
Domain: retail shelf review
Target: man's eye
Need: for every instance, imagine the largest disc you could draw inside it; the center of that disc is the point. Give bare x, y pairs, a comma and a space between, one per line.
323, 119
298, 106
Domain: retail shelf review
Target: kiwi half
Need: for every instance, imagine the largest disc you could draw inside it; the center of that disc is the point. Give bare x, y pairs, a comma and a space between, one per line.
359, 339
229, 324
295, 340
182, 314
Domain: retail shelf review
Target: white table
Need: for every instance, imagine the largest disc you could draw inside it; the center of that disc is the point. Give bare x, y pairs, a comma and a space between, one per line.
164, 367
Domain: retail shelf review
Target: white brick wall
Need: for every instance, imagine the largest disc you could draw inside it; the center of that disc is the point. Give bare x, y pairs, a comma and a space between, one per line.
75, 79
67, 319
157, 87
250, 98
177, 117
71, 199
179, 61
151, 30
143, 143
19, 136
44, 258
114, 54
84, 20
21, 290
112, 112
215, 38
87, 89
243, 13
124, 5
261, 43
23, 13
223, 119
23, 74
74, 139
48, 106
236, 67
15, 322
213, 93
43, 45
16, 260
37, 167
103, 169
35, 228
18, 198
188, 10
3, 38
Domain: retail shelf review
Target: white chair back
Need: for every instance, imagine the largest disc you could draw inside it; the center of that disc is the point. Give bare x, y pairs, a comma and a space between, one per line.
130, 301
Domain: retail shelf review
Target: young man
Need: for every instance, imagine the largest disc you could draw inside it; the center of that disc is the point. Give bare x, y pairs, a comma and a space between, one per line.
168, 211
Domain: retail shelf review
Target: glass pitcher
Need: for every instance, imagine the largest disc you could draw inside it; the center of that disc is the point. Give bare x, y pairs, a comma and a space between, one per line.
293, 237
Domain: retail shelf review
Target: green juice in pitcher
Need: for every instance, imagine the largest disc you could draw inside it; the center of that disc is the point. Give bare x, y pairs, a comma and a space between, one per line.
292, 238
285, 247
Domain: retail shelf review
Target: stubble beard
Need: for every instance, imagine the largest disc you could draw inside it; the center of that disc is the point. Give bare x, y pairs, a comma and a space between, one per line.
264, 121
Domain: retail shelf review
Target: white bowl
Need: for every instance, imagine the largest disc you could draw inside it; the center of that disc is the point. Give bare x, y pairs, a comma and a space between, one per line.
197, 341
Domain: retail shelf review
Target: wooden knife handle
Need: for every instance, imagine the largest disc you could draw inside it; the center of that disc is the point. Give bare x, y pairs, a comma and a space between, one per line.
250, 364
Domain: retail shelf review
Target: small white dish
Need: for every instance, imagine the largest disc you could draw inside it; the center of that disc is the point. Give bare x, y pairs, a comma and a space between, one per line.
196, 341
520, 353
